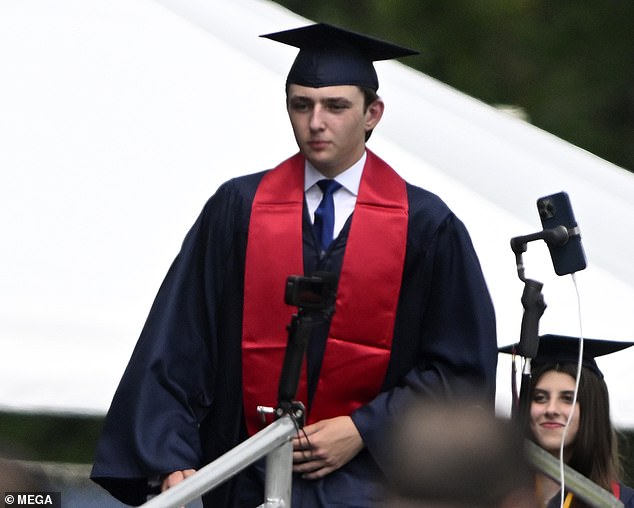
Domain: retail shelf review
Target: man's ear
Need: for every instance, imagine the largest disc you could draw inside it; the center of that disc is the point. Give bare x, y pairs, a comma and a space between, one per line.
373, 114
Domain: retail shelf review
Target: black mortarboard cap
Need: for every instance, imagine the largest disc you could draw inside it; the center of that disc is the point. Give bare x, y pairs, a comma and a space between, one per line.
560, 349
329, 56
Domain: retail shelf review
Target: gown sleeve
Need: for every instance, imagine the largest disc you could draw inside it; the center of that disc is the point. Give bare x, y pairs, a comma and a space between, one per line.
152, 426
447, 318
627, 496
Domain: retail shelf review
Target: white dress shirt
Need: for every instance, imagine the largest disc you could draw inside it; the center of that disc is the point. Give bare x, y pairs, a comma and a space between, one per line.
344, 198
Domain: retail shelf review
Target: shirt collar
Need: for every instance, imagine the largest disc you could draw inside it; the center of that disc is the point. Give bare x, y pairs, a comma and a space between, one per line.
350, 179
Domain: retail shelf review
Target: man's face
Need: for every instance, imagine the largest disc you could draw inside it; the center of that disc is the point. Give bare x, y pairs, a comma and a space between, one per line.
330, 124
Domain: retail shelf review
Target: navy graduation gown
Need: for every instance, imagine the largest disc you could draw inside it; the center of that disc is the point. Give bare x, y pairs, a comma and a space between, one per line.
627, 496
178, 405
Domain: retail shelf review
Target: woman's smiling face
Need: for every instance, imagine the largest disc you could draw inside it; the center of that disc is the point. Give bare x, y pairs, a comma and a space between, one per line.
551, 404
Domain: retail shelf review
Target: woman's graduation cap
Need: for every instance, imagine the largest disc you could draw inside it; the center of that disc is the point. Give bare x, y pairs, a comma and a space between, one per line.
557, 350
560, 349
329, 56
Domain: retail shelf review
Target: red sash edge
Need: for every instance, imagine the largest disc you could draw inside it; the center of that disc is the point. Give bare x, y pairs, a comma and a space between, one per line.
616, 490
359, 343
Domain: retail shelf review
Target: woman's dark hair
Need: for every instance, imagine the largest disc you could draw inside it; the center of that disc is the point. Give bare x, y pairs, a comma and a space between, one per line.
594, 452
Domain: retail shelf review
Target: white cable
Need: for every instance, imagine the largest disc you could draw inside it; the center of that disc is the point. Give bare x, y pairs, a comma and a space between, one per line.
562, 479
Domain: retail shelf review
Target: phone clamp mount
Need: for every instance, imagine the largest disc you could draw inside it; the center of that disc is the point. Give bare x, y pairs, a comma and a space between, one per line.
534, 307
314, 298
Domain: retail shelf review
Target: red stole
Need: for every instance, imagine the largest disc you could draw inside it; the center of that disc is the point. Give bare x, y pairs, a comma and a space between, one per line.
360, 338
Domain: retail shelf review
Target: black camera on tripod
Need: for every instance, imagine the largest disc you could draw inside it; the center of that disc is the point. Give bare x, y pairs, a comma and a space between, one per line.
314, 297
315, 292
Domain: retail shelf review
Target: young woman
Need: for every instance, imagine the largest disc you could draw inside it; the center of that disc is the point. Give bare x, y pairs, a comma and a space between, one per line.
590, 442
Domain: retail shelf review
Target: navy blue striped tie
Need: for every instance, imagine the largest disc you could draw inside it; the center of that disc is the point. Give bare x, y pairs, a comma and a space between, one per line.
325, 214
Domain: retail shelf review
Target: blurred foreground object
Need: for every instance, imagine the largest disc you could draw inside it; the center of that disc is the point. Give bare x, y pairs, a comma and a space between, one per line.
454, 456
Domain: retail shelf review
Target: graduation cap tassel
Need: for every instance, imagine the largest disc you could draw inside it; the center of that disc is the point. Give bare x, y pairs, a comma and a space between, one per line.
523, 405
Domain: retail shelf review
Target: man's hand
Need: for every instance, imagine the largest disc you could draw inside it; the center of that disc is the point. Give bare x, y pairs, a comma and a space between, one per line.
331, 444
176, 477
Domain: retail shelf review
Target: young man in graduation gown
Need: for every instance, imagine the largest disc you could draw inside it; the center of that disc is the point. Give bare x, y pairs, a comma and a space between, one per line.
413, 316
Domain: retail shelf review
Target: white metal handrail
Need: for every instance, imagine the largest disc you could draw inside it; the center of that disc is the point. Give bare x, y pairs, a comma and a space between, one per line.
274, 442
586, 489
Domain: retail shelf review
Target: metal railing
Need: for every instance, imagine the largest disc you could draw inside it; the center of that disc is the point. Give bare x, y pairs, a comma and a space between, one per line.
586, 489
274, 442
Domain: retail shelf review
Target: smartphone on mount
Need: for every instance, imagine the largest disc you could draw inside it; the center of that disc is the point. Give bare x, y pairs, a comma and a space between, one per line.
556, 210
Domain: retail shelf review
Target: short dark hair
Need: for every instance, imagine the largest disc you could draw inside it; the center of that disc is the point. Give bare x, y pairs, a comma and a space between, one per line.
369, 97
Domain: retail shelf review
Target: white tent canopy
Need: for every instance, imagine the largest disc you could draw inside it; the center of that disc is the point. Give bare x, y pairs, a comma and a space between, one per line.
119, 118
